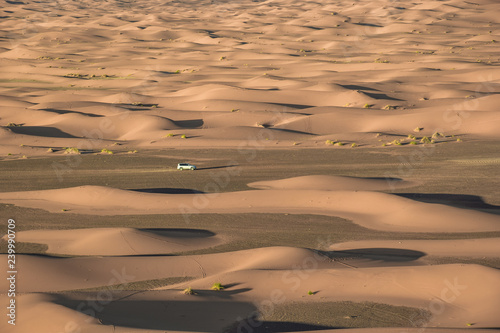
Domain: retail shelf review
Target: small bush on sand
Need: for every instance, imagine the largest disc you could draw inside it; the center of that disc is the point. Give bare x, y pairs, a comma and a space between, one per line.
188, 291
425, 140
106, 151
183, 136
217, 286
354, 145
367, 106
437, 135
71, 150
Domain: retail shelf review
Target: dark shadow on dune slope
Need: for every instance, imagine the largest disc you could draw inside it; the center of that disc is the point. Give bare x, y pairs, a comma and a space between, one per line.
292, 131
180, 233
76, 112
50, 132
163, 315
384, 254
455, 200
192, 123
381, 96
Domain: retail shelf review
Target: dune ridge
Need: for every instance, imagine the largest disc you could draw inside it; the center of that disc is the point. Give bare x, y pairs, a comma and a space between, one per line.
373, 210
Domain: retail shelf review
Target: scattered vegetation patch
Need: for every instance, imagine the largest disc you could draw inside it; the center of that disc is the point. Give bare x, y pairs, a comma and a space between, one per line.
71, 150
169, 135
189, 291
367, 106
425, 140
106, 151
14, 125
389, 107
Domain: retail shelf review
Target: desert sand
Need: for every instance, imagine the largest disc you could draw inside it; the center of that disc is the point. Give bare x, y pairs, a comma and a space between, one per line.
366, 130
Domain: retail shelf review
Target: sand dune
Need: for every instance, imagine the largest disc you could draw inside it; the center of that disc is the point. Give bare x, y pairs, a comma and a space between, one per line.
332, 183
382, 77
479, 248
420, 56
120, 241
373, 210
449, 291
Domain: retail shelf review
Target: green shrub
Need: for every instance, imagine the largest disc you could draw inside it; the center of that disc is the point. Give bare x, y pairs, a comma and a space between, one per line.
217, 286
106, 151
71, 150
425, 140
188, 291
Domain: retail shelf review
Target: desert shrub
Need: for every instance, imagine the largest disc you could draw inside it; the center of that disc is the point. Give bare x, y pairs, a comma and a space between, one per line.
217, 286
71, 150
189, 291
425, 140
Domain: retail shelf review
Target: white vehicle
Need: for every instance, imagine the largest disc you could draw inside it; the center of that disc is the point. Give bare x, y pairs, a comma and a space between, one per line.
186, 166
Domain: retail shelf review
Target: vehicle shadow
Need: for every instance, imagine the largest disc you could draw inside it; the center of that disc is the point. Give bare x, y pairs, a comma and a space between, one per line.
217, 167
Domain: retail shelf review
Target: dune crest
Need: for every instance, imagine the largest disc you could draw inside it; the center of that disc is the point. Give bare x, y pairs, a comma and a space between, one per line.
333, 183
120, 241
373, 210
